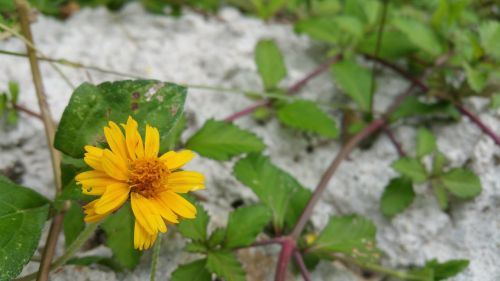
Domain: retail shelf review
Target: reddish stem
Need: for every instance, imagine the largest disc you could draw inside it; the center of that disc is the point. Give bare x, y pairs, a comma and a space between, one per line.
292, 90
425, 88
302, 266
28, 111
343, 153
394, 141
287, 249
247, 110
479, 123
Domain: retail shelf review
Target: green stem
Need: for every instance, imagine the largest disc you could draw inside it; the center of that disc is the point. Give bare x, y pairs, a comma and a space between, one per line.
380, 269
154, 261
70, 251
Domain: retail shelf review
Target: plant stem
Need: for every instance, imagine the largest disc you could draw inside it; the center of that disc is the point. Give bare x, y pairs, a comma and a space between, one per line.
28, 111
395, 142
154, 261
343, 153
302, 266
292, 90
287, 248
488, 131
55, 228
70, 251
29, 42
377, 51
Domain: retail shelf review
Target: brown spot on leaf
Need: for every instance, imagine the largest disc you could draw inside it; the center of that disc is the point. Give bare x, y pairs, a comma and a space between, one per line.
134, 106
136, 95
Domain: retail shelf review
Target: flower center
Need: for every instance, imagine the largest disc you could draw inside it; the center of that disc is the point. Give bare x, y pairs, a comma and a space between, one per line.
148, 176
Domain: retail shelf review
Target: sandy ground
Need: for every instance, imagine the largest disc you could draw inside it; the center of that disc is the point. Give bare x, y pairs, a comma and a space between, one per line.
195, 50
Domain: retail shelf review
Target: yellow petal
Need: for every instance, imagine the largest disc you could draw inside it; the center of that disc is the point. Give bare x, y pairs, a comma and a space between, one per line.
152, 142
93, 157
114, 166
133, 139
142, 239
175, 160
164, 210
116, 140
178, 204
94, 180
90, 214
146, 214
184, 181
114, 197
95, 190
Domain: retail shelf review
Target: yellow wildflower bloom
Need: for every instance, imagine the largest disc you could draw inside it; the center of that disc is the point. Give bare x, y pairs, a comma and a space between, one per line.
132, 169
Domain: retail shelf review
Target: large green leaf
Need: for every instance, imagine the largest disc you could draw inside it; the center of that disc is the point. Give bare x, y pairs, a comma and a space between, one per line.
489, 32
90, 108
195, 229
23, 213
462, 183
245, 224
195, 271
355, 80
274, 187
220, 140
307, 116
412, 168
421, 35
397, 196
119, 230
73, 223
226, 266
351, 235
341, 29
270, 63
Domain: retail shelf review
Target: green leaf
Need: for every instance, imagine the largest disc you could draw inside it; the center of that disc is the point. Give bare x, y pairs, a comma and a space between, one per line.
274, 187
462, 183
307, 116
476, 78
196, 247
426, 142
73, 223
397, 196
195, 229
323, 29
421, 35
192, 271
298, 203
394, 45
245, 224
220, 140
411, 168
495, 101
217, 237
119, 230
90, 108
351, 235
355, 81
489, 33
174, 138
446, 269
438, 164
14, 91
23, 213
441, 194
270, 63
226, 266
267, 8
413, 107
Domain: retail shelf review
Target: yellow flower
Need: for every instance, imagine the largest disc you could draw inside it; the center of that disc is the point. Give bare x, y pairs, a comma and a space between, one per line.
132, 169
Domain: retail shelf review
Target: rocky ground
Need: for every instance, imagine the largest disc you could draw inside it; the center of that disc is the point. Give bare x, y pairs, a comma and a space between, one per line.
219, 51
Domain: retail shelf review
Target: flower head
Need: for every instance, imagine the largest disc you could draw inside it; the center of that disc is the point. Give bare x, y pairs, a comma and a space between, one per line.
131, 168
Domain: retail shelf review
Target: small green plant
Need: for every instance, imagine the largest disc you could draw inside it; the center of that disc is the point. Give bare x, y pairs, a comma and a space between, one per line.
8, 102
